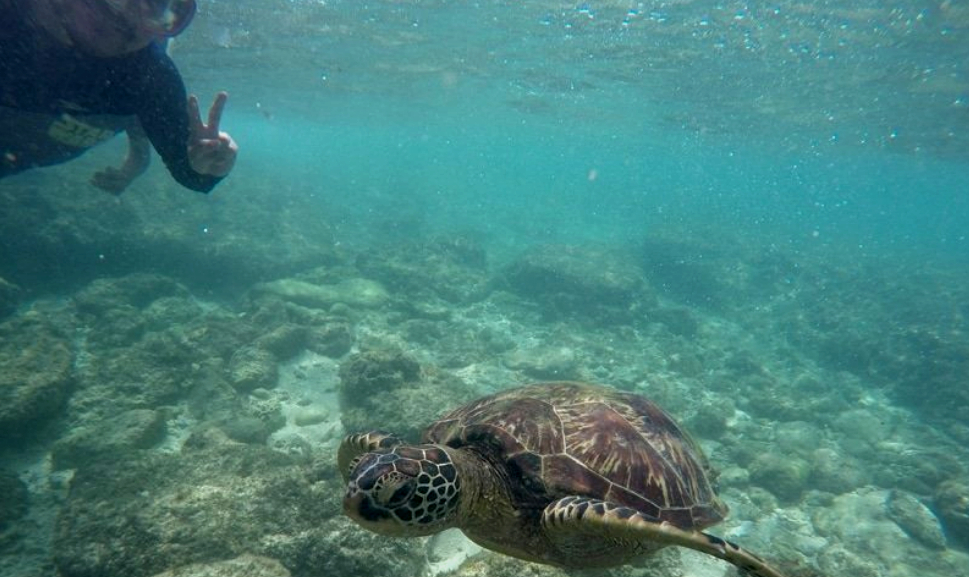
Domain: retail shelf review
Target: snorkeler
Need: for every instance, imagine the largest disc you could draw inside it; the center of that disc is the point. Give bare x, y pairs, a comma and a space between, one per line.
74, 73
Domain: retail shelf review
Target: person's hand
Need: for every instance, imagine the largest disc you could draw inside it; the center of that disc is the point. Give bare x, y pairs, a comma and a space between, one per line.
210, 151
116, 180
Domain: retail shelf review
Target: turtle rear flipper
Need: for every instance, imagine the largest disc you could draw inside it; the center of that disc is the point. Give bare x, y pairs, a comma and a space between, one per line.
353, 446
594, 526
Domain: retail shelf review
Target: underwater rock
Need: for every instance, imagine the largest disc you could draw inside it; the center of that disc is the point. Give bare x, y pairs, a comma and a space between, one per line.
114, 438
370, 373
36, 379
797, 437
332, 340
423, 331
545, 363
914, 467
860, 522
837, 560
63, 240
170, 351
768, 397
494, 565
176, 352
669, 562
848, 348
168, 311
159, 369
252, 368
929, 354
120, 311
244, 565
347, 550
711, 417
355, 292
450, 268
686, 363
685, 270
836, 473
461, 249
734, 477
915, 519
861, 424
14, 498
680, 321
249, 429
390, 391
744, 363
285, 341
783, 475
286, 329
447, 551
137, 290
573, 280
216, 500
309, 416
952, 502
253, 423
10, 297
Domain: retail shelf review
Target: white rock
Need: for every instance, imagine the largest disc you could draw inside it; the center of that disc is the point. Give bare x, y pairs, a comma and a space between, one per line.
446, 551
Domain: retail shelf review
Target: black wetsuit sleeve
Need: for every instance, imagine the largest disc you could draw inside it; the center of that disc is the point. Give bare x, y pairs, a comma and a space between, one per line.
163, 111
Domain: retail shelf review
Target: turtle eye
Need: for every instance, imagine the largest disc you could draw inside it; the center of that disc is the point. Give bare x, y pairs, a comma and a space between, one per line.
401, 495
353, 464
394, 490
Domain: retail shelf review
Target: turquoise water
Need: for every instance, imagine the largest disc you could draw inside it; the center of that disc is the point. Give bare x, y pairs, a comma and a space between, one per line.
845, 120
754, 213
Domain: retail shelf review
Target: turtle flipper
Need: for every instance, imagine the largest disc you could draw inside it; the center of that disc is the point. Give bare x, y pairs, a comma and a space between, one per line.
360, 444
579, 523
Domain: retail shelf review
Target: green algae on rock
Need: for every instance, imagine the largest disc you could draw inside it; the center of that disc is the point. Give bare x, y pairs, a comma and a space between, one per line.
449, 268
590, 283
952, 502
111, 439
14, 498
217, 499
252, 368
37, 376
390, 389
784, 475
917, 520
247, 565
10, 297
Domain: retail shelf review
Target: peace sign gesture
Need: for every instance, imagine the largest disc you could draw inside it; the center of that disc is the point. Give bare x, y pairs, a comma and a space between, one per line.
209, 150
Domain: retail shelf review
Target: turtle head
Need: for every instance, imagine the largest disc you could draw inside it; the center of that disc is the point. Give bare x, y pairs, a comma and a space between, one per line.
403, 491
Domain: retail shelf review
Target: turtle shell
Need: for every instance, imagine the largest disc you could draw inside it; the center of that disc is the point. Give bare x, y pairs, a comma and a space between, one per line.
561, 439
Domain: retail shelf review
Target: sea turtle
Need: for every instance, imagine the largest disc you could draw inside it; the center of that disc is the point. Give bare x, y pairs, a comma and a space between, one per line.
568, 474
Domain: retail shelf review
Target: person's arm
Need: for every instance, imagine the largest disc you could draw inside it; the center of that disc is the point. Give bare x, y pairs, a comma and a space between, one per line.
160, 102
116, 180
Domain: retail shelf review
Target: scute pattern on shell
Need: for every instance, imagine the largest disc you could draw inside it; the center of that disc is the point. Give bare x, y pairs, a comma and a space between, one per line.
579, 439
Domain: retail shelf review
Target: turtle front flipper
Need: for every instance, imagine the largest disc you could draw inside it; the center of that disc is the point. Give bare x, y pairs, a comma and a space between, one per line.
581, 528
353, 446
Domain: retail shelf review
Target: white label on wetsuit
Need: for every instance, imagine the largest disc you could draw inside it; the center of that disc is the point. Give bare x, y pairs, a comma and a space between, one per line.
73, 132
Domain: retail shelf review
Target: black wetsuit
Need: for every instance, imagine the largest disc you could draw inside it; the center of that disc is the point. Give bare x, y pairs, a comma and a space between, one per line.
55, 103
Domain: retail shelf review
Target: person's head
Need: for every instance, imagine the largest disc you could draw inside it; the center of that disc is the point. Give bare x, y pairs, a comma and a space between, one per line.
116, 27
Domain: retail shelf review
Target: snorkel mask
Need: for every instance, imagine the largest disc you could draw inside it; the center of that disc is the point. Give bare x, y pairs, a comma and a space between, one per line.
163, 18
